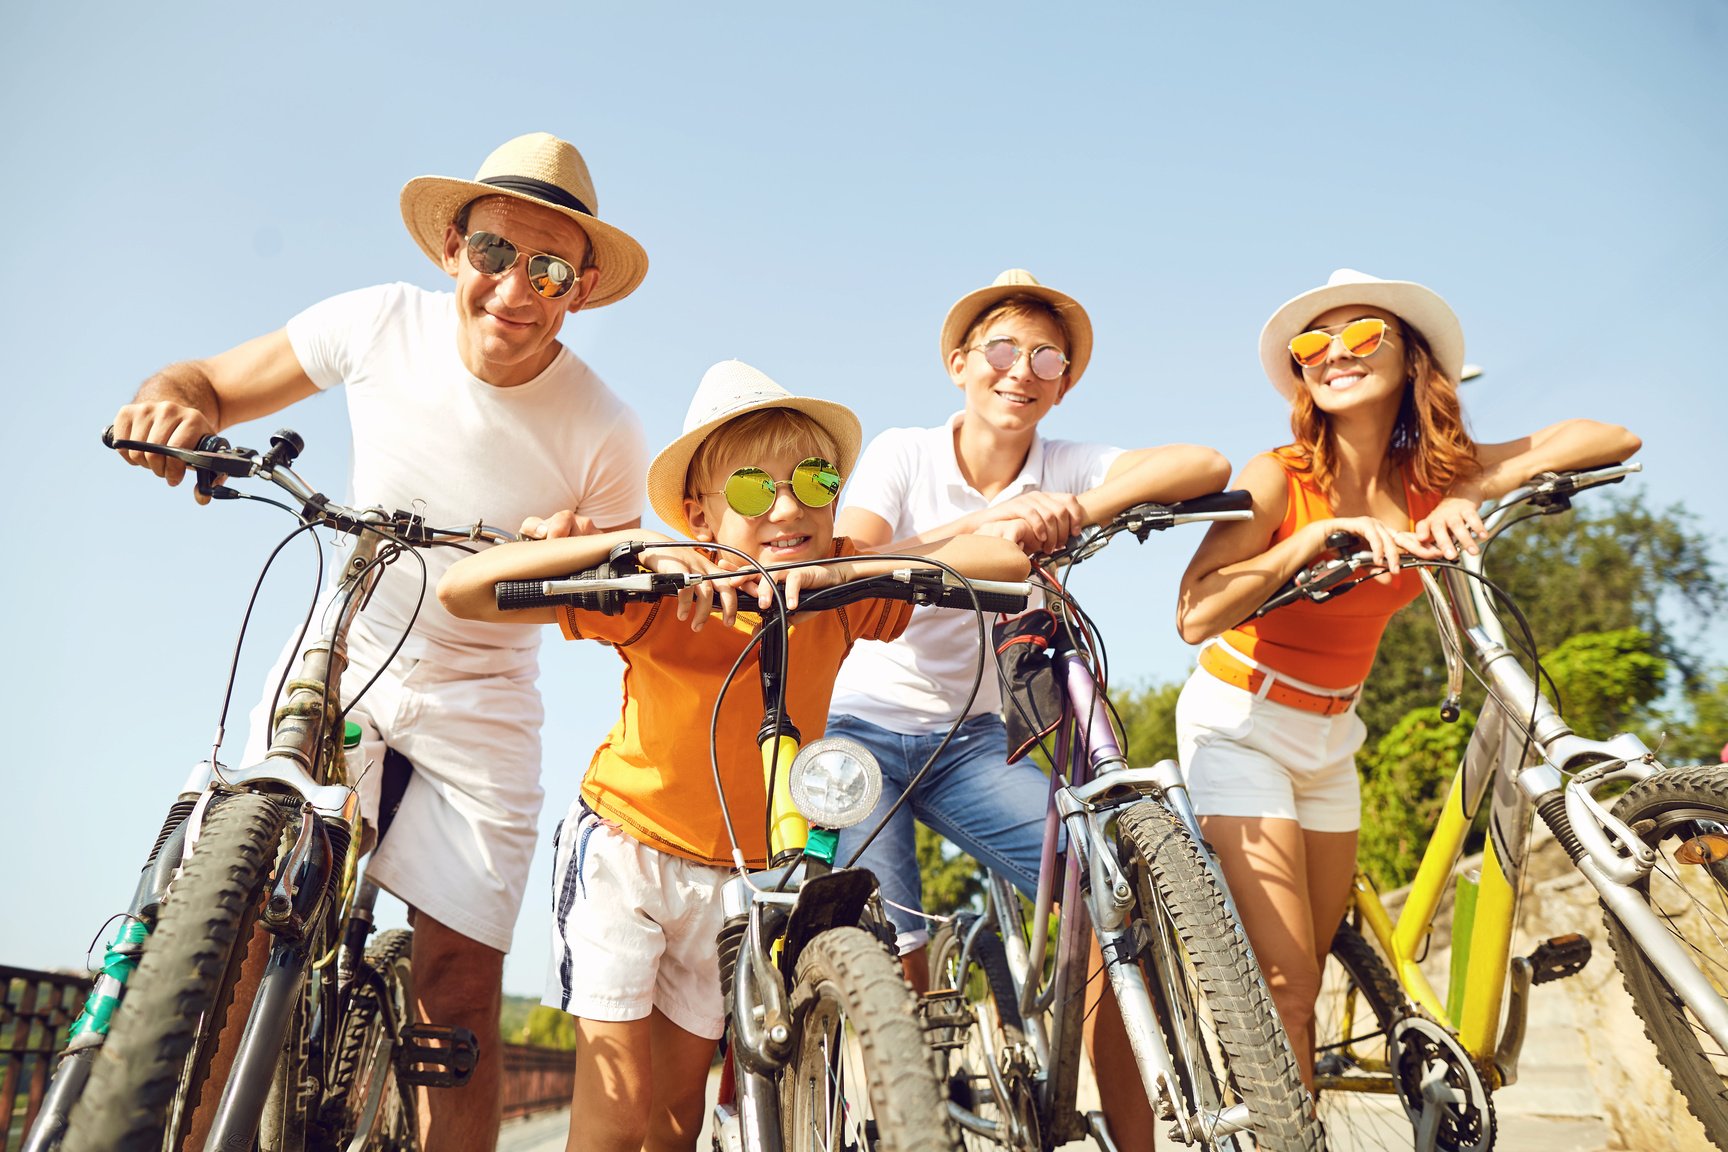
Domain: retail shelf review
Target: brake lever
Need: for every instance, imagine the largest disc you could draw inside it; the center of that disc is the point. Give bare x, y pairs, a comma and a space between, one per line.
213, 456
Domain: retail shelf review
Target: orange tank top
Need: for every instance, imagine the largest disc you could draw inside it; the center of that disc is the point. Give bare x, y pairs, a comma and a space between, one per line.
1329, 644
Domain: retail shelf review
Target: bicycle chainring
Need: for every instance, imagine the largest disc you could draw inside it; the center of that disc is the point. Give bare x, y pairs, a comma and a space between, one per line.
1438, 1082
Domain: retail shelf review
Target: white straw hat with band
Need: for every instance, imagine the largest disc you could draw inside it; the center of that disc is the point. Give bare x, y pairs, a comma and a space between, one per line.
538, 169
1421, 308
1019, 282
730, 389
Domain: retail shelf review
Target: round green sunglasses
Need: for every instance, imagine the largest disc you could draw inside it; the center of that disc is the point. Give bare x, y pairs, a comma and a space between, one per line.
751, 491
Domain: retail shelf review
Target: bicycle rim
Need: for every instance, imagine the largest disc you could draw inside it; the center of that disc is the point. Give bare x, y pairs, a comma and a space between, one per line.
1683, 815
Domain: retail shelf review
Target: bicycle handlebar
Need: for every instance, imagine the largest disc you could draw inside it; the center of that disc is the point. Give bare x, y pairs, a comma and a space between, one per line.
214, 456
1550, 491
1141, 520
601, 591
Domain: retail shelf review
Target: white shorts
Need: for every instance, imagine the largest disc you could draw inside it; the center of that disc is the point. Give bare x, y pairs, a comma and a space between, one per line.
633, 929
463, 837
1246, 756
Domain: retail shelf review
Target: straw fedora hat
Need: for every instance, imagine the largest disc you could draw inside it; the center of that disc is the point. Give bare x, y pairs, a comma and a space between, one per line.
1421, 308
540, 169
1019, 282
728, 389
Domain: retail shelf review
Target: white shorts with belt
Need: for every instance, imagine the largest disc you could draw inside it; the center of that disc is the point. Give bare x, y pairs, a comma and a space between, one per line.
463, 837
1244, 755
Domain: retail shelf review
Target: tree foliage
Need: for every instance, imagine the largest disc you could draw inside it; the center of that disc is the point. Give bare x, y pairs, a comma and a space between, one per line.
1607, 678
549, 1028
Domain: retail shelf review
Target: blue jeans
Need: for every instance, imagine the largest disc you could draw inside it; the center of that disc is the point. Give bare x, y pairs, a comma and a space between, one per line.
991, 809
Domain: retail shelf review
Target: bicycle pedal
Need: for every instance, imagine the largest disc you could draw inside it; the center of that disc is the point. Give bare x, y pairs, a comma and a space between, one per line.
437, 1056
946, 1016
1559, 958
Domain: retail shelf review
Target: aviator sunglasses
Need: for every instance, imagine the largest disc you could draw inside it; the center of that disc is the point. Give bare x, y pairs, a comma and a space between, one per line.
1359, 337
751, 491
1001, 353
551, 276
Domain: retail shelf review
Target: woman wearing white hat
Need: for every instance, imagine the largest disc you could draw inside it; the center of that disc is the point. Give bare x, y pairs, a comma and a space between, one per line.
1267, 724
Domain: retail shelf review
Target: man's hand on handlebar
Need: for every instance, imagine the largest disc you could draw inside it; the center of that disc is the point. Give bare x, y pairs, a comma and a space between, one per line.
556, 526
1034, 521
163, 422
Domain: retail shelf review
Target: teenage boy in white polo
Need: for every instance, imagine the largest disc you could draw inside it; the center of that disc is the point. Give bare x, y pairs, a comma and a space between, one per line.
1014, 350
464, 405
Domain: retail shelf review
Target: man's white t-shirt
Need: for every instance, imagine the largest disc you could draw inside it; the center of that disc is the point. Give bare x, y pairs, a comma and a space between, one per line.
432, 438
911, 478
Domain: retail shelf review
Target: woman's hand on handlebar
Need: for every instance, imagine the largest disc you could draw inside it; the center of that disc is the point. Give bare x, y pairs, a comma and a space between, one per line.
163, 422
1453, 526
1377, 537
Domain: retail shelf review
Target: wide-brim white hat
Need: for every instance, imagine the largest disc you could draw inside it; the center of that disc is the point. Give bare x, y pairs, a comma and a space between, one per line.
1419, 307
538, 169
1019, 282
730, 389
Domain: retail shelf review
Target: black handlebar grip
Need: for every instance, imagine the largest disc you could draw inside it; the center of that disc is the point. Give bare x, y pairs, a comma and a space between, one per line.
1345, 542
987, 601
514, 595
108, 436
1235, 500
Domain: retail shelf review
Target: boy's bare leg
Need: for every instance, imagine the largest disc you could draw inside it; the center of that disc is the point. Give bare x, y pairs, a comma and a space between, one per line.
459, 981
915, 966
640, 1085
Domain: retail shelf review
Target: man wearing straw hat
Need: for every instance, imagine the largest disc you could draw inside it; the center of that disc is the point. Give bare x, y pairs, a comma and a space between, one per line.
464, 405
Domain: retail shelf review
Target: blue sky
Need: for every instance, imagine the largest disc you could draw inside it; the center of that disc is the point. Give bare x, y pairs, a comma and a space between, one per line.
814, 190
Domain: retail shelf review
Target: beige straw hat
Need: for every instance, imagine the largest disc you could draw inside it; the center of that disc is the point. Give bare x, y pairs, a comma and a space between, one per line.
1019, 282
728, 389
540, 169
1421, 308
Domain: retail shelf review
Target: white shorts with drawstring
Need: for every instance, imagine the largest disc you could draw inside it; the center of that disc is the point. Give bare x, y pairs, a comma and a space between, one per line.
633, 929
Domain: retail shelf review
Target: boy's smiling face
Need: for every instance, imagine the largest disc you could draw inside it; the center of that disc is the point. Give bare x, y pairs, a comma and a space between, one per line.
790, 530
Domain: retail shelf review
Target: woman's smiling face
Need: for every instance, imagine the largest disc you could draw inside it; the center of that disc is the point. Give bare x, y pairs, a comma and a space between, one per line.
1343, 381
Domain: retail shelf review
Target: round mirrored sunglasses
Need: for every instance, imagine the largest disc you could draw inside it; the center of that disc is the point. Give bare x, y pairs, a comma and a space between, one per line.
751, 491
1048, 361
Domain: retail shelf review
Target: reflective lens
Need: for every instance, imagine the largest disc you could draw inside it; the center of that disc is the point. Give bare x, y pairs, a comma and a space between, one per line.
1359, 337
1048, 362
548, 275
751, 491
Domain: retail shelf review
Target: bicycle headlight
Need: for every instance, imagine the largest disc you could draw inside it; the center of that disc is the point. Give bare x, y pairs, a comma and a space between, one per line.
835, 782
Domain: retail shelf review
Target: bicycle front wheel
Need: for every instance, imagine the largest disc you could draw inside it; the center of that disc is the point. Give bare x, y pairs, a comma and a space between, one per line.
1219, 1023
151, 1072
1682, 814
365, 1093
860, 1077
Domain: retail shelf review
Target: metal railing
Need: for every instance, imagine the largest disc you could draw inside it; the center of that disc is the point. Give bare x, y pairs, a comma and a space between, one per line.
34, 1014
537, 1079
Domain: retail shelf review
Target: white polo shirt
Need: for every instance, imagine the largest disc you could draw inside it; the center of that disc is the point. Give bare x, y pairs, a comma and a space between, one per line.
911, 478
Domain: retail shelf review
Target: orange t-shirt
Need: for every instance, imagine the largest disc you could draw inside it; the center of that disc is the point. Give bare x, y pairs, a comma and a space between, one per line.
1330, 644
652, 775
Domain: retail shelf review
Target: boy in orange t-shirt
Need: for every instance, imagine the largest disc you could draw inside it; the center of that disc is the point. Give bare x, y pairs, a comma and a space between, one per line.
642, 855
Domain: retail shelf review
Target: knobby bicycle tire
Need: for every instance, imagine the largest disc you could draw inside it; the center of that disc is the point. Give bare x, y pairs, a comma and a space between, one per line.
1669, 810
359, 1063
992, 1004
158, 1049
1219, 1022
860, 1076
